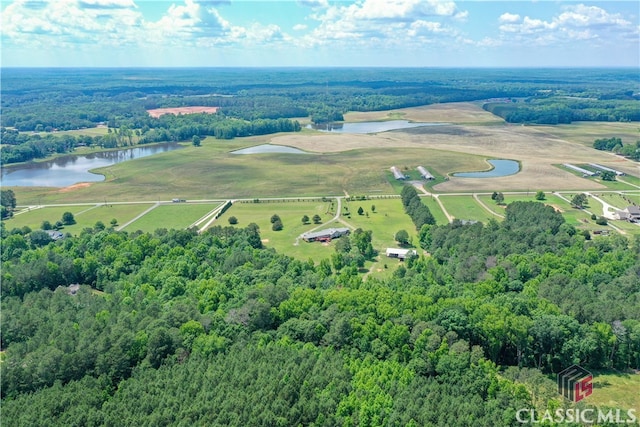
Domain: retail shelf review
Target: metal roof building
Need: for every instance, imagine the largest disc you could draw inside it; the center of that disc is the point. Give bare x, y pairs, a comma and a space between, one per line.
396, 173
325, 235
400, 253
577, 169
604, 168
424, 173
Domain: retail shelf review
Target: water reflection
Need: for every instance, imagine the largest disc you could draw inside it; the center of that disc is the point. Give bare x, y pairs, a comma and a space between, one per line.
500, 168
68, 170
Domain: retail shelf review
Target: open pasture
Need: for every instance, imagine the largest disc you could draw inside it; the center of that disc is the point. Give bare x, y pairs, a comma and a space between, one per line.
387, 219
456, 112
615, 390
179, 215
290, 212
466, 208
585, 133
355, 164
85, 216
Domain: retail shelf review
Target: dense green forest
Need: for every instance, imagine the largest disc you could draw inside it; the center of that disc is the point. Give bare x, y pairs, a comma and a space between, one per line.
180, 328
260, 101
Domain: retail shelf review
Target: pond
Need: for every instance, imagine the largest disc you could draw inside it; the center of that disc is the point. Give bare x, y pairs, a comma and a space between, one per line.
69, 170
269, 149
500, 168
370, 127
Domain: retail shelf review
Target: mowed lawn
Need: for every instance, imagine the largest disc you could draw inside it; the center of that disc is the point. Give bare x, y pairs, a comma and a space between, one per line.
465, 208
85, 216
387, 219
286, 240
616, 390
178, 216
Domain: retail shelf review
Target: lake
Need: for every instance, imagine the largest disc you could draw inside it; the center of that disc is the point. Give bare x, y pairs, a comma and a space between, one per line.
500, 168
269, 149
69, 170
370, 127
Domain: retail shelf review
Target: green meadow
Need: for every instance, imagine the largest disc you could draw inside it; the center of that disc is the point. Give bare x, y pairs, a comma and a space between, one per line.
212, 172
286, 240
465, 208
85, 216
179, 215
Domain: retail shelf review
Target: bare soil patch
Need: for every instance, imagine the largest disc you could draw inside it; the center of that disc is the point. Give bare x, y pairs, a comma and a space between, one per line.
157, 112
74, 187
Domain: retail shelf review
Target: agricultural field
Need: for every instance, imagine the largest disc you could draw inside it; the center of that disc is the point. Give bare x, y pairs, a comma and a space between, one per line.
585, 133
615, 390
291, 212
179, 215
466, 208
388, 218
84, 215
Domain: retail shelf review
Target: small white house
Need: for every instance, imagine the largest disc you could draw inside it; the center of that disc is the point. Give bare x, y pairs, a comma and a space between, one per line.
401, 253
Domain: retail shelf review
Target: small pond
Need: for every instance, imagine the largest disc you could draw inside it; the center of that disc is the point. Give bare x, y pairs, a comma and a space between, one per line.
369, 127
269, 149
500, 168
69, 170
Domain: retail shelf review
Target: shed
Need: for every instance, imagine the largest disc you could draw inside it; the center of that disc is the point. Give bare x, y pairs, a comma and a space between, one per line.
401, 253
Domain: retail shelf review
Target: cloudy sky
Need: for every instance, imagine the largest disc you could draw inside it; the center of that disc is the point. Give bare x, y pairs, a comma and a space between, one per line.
390, 33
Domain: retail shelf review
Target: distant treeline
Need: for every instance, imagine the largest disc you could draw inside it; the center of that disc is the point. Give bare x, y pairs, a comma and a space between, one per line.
615, 145
69, 98
559, 110
21, 147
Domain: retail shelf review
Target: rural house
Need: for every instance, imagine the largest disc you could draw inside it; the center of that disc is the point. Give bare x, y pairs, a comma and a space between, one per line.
325, 235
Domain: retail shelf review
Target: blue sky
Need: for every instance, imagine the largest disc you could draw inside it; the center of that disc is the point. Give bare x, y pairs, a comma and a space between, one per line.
389, 33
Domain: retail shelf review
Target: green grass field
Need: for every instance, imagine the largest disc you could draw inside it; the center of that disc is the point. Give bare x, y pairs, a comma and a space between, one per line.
179, 215
85, 216
435, 209
616, 390
465, 208
291, 214
388, 218
211, 172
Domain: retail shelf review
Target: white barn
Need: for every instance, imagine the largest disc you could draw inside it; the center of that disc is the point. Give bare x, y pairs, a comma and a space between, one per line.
424, 173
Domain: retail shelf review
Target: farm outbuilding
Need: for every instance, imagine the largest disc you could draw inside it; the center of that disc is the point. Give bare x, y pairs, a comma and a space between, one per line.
397, 174
325, 235
424, 173
584, 172
604, 168
401, 253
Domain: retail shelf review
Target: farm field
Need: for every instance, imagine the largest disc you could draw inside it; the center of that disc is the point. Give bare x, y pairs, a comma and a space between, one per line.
388, 218
465, 208
85, 216
357, 164
291, 213
585, 133
178, 216
435, 209
615, 390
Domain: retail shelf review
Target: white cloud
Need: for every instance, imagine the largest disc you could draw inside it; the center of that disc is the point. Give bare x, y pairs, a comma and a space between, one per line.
576, 22
299, 27
509, 17
391, 22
